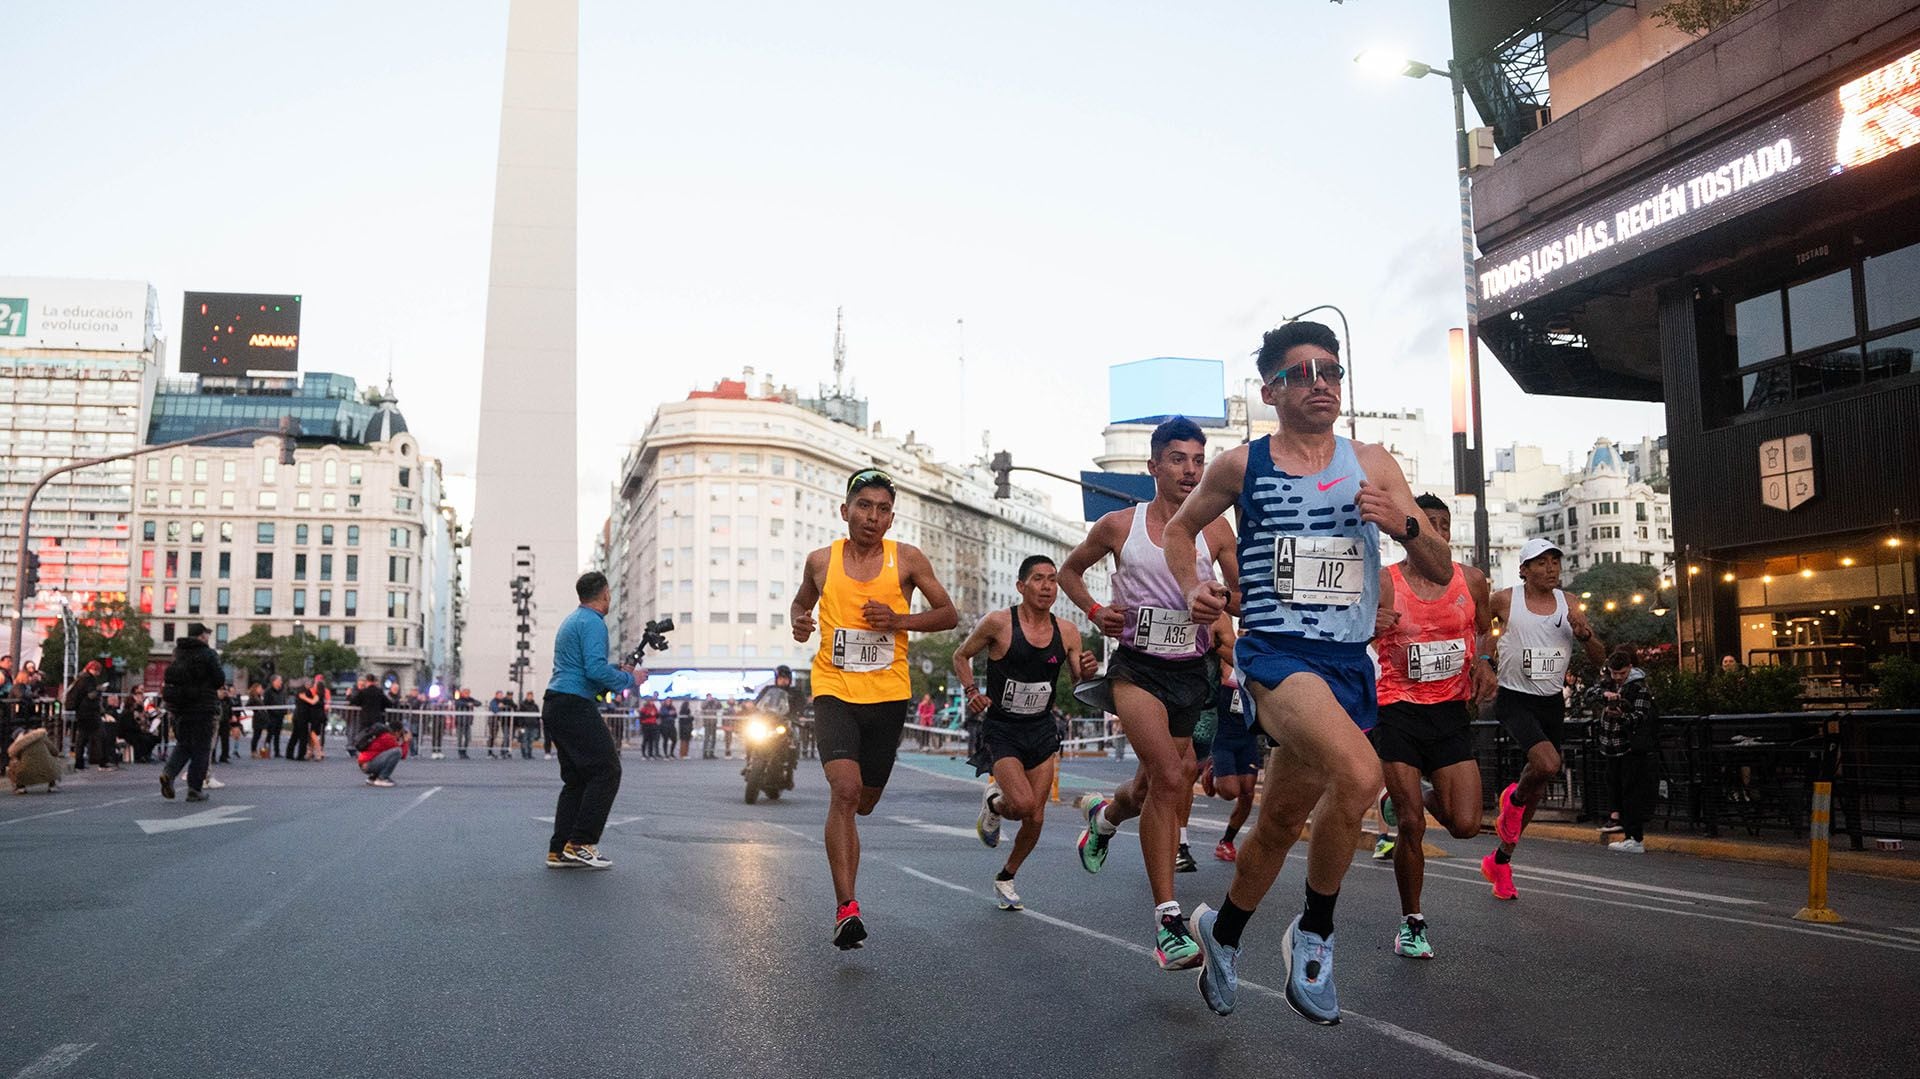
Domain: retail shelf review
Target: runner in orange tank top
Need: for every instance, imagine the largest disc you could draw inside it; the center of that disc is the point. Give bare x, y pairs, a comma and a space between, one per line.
1435, 655
861, 687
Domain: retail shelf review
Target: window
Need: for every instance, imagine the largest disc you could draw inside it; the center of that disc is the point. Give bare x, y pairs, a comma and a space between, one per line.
777, 465
351, 606
228, 471
200, 470
300, 535
226, 500
146, 563
353, 567
226, 531
749, 462
302, 500
328, 501
153, 469
326, 567
172, 599
220, 634
269, 500
263, 532
299, 601
717, 618
153, 496
326, 535
198, 531
1820, 311
329, 472
326, 603
396, 604
199, 499
353, 502
148, 530
263, 601
353, 535
263, 566
173, 531
749, 526
396, 537
194, 565
749, 492
747, 618
300, 566
173, 563
177, 468
719, 557
397, 569
719, 492
304, 474
269, 470
353, 475
406, 477
326, 632
146, 599
226, 565
1893, 287
348, 636
393, 637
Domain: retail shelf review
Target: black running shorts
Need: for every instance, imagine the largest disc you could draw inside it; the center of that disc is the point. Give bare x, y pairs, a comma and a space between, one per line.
1182, 686
1427, 736
1531, 718
1032, 742
867, 733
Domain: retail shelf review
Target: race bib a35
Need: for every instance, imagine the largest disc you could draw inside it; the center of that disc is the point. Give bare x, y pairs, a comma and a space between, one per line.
1158, 631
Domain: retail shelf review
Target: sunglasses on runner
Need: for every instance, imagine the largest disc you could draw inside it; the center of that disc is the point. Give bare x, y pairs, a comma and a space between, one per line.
1307, 373
869, 477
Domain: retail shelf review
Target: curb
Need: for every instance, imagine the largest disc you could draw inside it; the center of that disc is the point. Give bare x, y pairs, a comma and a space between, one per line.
1729, 850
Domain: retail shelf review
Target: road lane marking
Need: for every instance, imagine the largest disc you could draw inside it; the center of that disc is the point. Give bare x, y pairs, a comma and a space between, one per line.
203, 819
937, 829
55, 1060
1398, 1033
793, 832
1857, 936
1566, 877
72, 809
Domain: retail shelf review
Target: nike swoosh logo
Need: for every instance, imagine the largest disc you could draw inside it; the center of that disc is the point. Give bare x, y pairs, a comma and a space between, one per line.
1332, 484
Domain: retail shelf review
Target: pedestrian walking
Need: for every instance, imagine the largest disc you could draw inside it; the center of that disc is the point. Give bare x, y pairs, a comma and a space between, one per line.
83, 704
589, 762
193, 688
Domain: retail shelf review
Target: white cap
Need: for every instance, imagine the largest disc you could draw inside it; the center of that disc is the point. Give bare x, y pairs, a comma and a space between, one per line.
1536, 547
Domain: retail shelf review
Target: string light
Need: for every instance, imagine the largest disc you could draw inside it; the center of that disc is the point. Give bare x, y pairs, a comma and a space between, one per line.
1847, 561
1806, 573
1727, 577
1693, 571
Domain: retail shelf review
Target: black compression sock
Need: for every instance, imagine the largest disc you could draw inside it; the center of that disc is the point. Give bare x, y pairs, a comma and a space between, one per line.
1502, 857
1318, 916
1003, 875
1229, 923
1232, 831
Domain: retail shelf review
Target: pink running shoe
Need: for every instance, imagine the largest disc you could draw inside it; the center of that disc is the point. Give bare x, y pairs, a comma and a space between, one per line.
1224, 851
1500, 876
1508, 818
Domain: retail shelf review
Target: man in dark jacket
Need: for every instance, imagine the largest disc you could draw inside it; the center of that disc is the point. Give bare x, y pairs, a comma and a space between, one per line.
83, 703
192, 692
1625, 720
274, 717
372, 702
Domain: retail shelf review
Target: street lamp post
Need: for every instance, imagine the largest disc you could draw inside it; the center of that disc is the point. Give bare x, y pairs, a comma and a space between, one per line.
289, 429
1353, 423
1414, 69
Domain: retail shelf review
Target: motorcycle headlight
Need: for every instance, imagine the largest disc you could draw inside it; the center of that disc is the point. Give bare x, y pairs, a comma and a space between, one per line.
781, 729
757, 730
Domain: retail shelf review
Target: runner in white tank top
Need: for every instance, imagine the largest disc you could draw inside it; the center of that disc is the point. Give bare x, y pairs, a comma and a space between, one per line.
1158, 674
1540, 631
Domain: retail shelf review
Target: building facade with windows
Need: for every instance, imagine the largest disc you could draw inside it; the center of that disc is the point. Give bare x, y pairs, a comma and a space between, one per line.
78, 363
726, 493
351, 543
1728, 224
1605, 516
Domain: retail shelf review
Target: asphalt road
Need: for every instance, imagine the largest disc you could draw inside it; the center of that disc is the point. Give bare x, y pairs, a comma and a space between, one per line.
330, 929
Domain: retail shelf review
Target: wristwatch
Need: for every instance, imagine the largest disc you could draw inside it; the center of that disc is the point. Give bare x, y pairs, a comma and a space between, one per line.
1413, 530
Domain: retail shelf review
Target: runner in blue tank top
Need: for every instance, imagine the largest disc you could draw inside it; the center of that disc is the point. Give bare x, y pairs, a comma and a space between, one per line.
1311, 508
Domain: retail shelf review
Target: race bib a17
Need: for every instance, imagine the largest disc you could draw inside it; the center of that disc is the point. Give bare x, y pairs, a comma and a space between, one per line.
1158, 631
860, 651
1025, 698
1435, 661
1328, 570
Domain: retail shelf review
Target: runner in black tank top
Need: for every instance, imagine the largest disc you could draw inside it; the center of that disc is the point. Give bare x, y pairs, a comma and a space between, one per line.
1018, 740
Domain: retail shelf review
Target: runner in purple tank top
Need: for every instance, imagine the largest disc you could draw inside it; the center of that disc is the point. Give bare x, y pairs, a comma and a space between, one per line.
1159, 672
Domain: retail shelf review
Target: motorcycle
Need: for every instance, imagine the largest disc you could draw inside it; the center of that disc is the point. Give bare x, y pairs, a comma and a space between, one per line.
771, 751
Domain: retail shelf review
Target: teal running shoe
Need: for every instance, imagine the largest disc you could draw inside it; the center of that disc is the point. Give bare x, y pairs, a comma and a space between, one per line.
1309, 960
1219, 971
1411, 941
1093, 845
1174, 945
1383, 848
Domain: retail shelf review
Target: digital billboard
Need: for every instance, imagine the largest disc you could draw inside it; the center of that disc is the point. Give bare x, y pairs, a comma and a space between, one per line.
232, 333
1148, 391
70, 313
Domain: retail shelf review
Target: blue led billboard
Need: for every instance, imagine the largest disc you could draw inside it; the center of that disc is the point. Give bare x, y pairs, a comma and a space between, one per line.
1148, 391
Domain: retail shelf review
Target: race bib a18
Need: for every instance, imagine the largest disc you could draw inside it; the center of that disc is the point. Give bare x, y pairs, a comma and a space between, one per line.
1540, 664
1158, 631
1025, 698
1327, 570
859, 651
1435, 661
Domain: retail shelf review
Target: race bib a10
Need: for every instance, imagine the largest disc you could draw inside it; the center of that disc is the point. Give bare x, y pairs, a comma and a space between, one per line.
1158, 631
1540, 664
1328, 570
1435, 661
860, 651
1025, 698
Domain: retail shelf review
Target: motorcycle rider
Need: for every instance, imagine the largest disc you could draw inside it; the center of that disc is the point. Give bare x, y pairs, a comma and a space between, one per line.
792, 699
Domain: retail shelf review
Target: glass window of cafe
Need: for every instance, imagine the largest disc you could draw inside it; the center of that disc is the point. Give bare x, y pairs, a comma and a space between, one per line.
1830, 611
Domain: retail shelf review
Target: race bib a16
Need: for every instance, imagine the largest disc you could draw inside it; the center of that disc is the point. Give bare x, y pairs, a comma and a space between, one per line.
1435, 661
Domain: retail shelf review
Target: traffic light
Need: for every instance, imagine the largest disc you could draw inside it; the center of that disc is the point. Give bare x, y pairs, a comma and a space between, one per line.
30, 576
1002, 474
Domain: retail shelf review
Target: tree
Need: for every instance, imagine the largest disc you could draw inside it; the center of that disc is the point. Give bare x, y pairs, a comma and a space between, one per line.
1628, 623
111, 629
936, 649
262, 655
1698, 17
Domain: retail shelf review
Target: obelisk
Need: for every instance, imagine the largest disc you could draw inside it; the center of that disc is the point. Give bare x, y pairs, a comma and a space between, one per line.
526, 473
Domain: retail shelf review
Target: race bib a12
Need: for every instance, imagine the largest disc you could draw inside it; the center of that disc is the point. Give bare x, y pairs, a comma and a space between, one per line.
860, 651
1025, 698
1328, 570
1158, 631
1434, 661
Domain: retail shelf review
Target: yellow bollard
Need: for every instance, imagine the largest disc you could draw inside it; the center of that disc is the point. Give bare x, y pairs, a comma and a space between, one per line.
1816, 909
1056, 779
